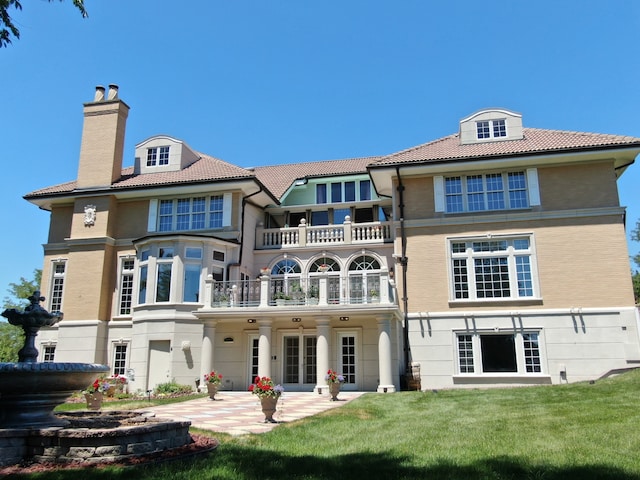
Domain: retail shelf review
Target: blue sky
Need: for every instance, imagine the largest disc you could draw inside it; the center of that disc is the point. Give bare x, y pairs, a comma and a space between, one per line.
264, 82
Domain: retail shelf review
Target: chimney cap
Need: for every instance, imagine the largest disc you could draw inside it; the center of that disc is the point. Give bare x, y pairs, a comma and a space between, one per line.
99, 94
113, 92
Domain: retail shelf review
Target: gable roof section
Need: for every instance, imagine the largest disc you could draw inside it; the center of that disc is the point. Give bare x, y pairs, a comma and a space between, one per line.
535, 141
278, 178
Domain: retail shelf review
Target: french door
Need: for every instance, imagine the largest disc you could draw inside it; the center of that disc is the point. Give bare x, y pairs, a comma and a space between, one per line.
348, 359
299, 361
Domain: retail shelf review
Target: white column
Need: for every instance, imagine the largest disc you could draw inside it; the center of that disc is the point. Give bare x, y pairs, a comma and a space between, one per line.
323, 289
206, 357
323, 330
384, 356
264, 290
264, 348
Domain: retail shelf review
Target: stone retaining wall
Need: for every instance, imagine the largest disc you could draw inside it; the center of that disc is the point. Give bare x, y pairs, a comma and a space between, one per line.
90, 445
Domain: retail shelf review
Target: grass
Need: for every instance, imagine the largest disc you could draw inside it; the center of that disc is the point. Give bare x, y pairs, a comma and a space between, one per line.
128, 403
578, 431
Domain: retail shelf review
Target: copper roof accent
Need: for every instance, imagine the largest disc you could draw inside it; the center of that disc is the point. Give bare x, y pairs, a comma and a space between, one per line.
278, 178
535, 141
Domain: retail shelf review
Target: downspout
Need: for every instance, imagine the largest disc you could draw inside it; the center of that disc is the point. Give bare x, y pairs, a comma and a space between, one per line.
403, 263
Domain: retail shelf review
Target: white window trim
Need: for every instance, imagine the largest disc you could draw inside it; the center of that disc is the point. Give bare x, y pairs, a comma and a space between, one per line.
511, 254
519, 352
154, 205
533, 192
125, 343
52, 279
134, 274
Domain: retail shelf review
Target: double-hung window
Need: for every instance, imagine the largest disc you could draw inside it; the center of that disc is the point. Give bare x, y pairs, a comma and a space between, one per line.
120, 359
499, 353
157, 156
126, 286
57, 285
492, 268
491, 129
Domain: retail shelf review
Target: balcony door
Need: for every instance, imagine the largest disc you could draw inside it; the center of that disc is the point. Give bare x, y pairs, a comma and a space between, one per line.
299, 361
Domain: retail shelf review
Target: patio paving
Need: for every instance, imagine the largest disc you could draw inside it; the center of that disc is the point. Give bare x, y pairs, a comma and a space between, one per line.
239, 413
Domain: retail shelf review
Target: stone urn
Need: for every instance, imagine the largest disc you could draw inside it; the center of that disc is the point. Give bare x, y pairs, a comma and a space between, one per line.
94, 400
334, 390
212, 389
269, 408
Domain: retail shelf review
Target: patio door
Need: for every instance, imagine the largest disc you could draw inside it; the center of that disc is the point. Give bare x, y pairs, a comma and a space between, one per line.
348, 359
299, 361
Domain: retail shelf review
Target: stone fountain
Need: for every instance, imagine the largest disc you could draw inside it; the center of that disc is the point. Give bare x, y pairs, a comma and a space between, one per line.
30, 390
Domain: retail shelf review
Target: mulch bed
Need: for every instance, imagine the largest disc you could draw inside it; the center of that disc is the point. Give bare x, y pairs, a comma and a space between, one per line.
201, 444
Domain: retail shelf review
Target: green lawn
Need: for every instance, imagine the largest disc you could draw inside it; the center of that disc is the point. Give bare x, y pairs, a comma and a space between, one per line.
579, 431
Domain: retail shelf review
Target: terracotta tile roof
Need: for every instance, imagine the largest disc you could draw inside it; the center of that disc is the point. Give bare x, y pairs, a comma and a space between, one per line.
206, 169
278, 178
535, 141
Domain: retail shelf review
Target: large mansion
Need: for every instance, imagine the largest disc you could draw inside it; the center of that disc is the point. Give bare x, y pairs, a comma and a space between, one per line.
492, 256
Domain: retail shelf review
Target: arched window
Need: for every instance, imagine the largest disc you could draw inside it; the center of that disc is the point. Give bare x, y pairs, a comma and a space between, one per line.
364, 280
285, 267
331, 267
286, 281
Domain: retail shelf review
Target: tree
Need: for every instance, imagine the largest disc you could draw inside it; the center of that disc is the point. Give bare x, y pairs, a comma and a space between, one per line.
12, 337
635, 236
21, 291
8, 28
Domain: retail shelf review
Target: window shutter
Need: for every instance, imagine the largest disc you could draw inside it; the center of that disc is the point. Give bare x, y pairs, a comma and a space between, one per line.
226, 213
532, 184
438, 192
153, 215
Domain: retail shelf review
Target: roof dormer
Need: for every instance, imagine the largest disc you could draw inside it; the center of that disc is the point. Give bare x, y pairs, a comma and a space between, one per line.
491, 125
163, 154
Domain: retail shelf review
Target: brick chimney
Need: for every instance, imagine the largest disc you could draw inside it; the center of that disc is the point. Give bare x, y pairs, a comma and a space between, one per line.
102, 144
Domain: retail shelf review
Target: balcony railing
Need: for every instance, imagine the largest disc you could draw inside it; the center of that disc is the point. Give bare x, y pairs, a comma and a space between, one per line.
304, 235
319, 290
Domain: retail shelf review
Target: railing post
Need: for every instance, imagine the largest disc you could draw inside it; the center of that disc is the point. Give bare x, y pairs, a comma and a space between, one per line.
347, 230
302, 233
208, 291
323, 289
384, 285
264, 289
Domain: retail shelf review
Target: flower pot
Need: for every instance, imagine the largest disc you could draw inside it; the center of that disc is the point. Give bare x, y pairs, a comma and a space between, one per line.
334, 390
212, 389
312, 301
94, 400
269, 408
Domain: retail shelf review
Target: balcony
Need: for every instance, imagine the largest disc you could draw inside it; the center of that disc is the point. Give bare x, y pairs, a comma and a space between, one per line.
304, 235
322, 290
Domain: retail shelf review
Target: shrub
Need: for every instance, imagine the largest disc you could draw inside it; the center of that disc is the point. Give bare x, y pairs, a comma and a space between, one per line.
172, 388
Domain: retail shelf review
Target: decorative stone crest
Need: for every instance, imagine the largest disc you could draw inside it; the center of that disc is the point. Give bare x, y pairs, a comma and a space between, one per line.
89, 215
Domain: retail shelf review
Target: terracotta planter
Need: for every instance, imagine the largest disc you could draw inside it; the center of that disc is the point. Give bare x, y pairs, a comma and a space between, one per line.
212, 389
94, 400
334, 390
269, 408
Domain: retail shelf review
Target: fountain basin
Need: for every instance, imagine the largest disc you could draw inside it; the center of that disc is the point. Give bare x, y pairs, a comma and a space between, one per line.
30, 391
93, 438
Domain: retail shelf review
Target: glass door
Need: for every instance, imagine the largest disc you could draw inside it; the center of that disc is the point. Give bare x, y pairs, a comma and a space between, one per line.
348, 360
299, 361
